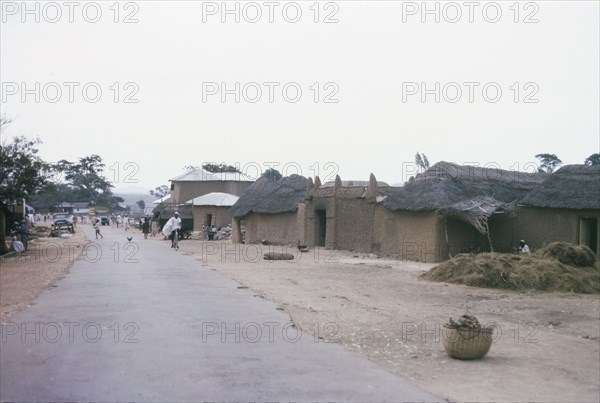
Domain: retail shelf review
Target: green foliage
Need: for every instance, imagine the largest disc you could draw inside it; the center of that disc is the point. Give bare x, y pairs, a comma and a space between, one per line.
112, 202
217, 168
548, 162
160, 191
141, 204
272, 175
421, 161
22, 171
86, 179
593, 160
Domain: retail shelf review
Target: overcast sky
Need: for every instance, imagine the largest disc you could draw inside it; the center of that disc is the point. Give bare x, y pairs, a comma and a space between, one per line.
379, 67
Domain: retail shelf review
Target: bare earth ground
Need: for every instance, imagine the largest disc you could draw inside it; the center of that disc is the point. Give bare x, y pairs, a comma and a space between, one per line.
24, 276
546, 346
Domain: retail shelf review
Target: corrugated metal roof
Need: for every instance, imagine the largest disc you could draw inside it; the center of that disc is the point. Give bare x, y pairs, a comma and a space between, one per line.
214, 199
202, 175
162, 199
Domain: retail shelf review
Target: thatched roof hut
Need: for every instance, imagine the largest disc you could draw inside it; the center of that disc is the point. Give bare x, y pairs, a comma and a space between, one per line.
267, 197
469, 193
571, 187
446, 184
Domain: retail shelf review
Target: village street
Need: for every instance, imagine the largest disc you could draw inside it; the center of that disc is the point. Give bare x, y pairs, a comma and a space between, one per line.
139, 321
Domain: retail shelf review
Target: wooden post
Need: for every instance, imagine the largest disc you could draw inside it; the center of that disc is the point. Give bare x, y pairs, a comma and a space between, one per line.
446, 235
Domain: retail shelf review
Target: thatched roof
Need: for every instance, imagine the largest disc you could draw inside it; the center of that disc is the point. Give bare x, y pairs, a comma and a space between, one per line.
445, 185
267, 197
468, 193
571, 187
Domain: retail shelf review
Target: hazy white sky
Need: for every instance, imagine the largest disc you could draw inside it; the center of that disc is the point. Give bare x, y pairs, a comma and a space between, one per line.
543, 56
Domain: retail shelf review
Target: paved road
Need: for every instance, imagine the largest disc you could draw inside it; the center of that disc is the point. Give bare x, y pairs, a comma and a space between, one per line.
168, 328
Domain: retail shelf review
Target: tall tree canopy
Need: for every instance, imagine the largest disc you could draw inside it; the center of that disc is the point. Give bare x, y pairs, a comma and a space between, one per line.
548, 162
22, 171
593, 160
272, 175
421, 161
160, 191
217, 168
86, 179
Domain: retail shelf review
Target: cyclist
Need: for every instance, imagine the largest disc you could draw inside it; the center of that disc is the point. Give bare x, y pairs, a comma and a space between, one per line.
172, 227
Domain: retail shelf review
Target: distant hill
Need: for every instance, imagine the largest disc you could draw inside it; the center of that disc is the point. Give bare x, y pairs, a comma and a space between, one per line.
132, 198
131, 190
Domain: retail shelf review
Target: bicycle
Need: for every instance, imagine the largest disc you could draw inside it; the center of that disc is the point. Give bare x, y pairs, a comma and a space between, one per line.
175, 239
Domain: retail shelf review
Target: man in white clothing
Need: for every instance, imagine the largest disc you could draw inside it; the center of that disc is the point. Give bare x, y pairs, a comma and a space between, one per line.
171, 228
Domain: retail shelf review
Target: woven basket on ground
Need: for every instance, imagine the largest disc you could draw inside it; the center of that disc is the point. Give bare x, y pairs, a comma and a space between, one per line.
467, 344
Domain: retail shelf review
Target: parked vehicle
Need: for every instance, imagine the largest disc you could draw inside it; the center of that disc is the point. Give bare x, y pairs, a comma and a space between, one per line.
104, 220
62, 220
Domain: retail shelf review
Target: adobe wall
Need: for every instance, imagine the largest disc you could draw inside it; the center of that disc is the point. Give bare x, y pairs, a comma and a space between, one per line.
405, 235
283, 228
541, 226
220, 216
353, 220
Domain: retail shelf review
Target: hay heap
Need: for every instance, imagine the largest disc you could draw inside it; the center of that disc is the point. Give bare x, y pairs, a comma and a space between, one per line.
567, 253
558, 267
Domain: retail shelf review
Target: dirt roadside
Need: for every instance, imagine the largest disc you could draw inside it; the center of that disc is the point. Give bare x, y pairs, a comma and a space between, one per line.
546, 345
26, 275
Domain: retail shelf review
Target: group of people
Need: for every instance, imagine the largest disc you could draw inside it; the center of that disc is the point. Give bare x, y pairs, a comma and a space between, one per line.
20, 231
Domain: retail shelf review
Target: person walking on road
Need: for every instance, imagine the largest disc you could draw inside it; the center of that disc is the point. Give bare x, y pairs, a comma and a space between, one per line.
146, 227
97, 228
154, 227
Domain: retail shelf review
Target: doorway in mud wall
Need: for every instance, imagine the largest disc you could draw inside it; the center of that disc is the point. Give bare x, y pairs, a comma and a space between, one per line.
588, 232
208, 220
321, 227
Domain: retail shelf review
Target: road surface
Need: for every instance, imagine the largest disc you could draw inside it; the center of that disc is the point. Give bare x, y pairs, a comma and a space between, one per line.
139, 321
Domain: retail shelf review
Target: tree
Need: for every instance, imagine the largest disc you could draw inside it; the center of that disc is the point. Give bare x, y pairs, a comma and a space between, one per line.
113, 202
52, 196
190, 168
593, 160
218, 168
160, 191
421, 161
22, 173
141, 204
85, 177
272, 175
548, 162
